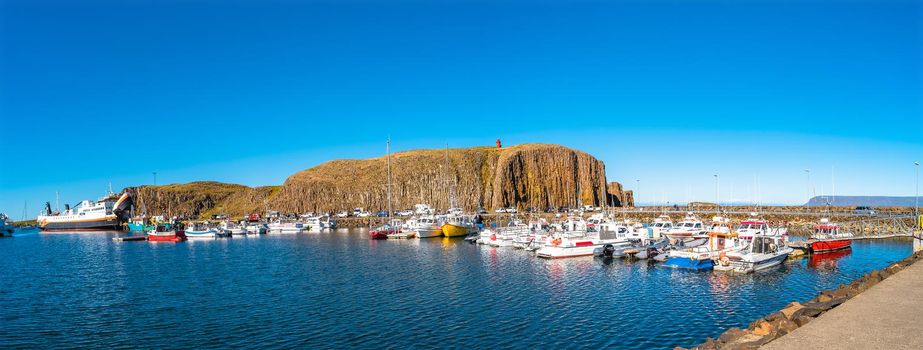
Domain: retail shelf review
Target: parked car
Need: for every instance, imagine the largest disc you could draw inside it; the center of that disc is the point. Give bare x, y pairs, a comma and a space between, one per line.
500, 210
482, 211
511, 210
865, 211
382, 214
405, 212
343, 214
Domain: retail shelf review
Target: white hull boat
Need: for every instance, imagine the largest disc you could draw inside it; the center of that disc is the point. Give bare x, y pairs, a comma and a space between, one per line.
762, 253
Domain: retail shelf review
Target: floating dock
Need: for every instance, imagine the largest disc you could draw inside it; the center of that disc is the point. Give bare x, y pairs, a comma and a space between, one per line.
129, 238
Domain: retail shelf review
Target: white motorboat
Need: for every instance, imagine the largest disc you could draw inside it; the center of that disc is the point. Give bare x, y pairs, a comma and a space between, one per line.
660, 225
318, 223
287, 227
201, 231
256, 229
232, 228
686, 229
573, 244
761, 253
720, 239
427, 226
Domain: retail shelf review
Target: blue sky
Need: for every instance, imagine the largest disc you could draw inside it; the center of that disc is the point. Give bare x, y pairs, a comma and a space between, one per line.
668, 92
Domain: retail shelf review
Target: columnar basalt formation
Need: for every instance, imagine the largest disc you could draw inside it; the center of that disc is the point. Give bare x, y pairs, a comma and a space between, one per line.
533, 175
619, 197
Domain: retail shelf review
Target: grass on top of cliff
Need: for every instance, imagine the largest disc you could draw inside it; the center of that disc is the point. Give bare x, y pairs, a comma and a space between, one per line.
191, 198
411, 161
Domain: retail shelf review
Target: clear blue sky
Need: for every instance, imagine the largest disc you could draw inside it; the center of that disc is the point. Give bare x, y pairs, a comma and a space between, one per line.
668, 92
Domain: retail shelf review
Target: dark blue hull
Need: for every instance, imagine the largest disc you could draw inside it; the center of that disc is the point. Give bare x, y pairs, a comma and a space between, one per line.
100, 225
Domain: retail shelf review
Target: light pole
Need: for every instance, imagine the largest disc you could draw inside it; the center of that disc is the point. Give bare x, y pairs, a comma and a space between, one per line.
637, 195
807, 204
916, 194
717, 197
155, 178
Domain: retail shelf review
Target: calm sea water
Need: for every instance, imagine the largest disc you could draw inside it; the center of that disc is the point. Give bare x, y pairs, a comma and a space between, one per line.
340, 290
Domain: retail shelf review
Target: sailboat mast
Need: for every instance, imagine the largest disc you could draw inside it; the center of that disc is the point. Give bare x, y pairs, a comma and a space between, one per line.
388, 148
445, 179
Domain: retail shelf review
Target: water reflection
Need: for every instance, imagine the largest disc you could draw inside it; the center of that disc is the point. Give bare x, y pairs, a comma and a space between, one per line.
827, 261
340, 289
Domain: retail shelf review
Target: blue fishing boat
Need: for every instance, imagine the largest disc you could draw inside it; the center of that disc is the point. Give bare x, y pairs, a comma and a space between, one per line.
688, 263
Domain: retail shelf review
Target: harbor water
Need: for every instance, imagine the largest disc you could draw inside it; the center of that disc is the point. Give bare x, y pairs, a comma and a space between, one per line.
341, 290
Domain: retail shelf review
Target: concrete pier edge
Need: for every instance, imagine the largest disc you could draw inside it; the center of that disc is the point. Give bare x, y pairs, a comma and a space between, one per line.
795, 315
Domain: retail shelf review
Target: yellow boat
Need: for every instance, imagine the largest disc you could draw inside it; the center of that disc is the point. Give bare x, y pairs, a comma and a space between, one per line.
455, 230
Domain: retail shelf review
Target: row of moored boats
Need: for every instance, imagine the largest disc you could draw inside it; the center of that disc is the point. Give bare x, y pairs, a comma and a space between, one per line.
751, 245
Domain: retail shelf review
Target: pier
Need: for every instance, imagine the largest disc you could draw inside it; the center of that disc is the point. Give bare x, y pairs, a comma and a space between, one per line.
885, 316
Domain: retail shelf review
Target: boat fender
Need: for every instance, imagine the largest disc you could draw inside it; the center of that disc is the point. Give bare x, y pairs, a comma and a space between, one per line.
723, 259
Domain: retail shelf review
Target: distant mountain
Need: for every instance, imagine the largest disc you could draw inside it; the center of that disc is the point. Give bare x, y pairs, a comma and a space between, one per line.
868, 201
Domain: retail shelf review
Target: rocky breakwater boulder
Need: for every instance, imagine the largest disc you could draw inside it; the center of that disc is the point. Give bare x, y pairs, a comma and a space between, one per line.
530, 175
795, 314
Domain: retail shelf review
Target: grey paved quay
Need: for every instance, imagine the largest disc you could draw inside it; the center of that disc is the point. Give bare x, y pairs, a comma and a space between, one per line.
888, 315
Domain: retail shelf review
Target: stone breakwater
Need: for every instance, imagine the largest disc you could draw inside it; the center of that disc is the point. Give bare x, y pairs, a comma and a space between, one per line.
795, 314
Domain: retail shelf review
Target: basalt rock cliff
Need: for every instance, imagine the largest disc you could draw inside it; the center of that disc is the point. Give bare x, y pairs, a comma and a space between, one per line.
533, 175
530, 175
201, 199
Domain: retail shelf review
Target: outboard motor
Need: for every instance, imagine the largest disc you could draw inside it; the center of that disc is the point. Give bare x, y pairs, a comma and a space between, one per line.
608, 250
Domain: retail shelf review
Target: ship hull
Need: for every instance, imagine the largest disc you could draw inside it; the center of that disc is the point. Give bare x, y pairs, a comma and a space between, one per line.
450, 230
88, 225
830, 245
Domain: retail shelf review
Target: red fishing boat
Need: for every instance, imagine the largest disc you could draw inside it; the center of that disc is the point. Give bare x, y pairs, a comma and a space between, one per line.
827, 238
162, 234
383, 232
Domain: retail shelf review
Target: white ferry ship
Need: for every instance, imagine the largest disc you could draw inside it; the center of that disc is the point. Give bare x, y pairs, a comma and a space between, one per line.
108, 213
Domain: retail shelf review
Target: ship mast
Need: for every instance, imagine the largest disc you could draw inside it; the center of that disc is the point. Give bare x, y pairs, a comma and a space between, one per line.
388, 149
445, 179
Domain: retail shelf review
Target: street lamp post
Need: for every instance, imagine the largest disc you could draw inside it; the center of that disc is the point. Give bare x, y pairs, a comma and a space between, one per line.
916, 193
155, 178
717, 196
637, 195
806, 204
